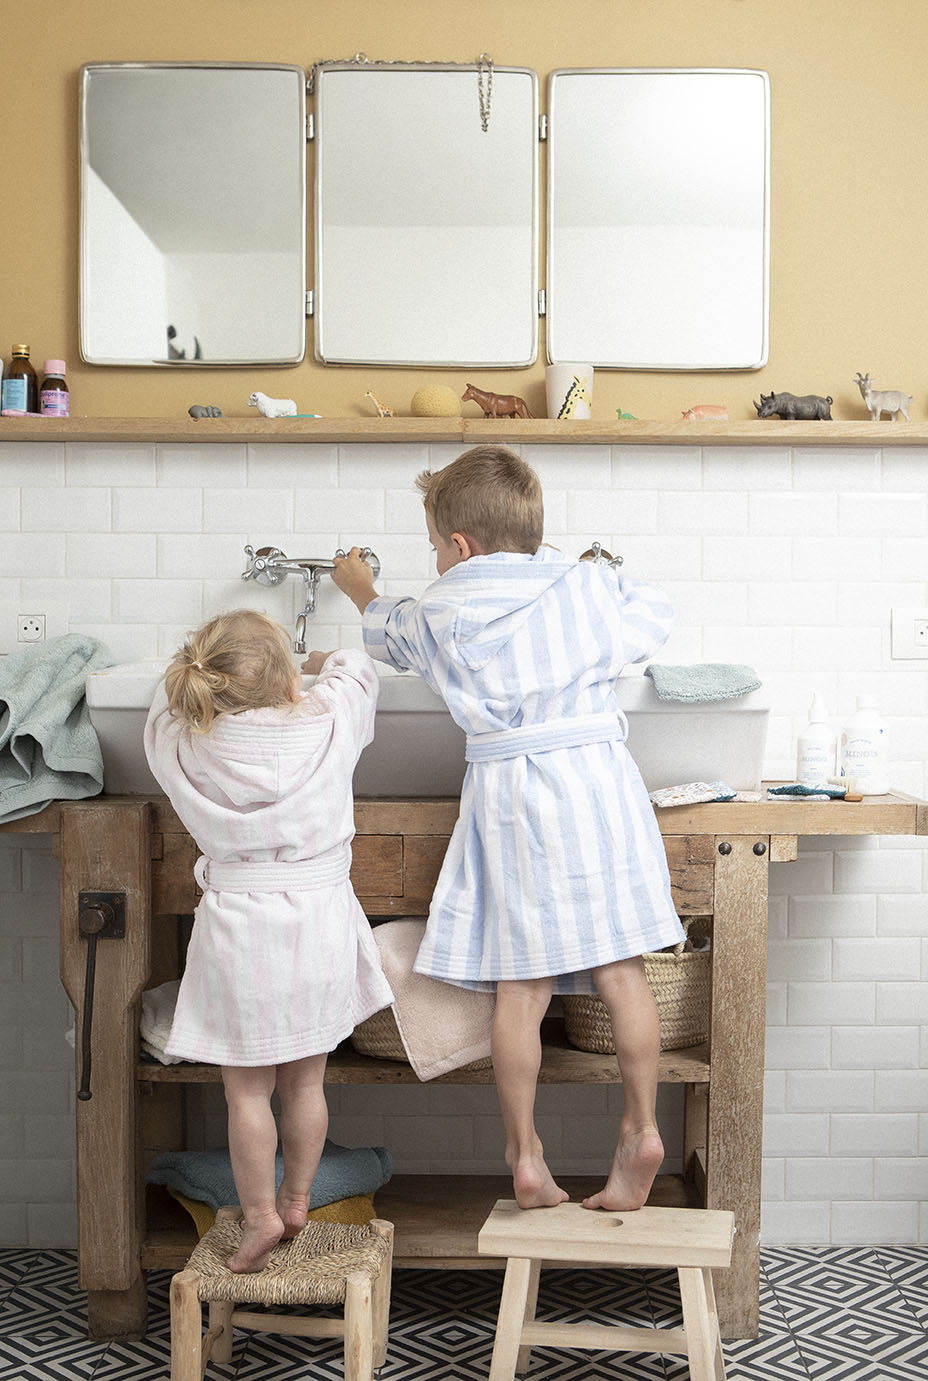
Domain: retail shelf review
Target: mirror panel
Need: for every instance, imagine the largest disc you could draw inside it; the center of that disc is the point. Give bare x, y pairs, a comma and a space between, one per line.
426, 239
193, 214
658, 218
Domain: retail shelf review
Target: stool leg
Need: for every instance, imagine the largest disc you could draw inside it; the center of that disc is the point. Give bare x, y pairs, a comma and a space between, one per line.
702, 1338
359, 1329
186, 1327
220, 1316
512, 1306
380, 1294
718, 1359
531, 1300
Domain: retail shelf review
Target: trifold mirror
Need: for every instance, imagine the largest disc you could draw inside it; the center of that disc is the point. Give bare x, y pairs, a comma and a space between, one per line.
193, 215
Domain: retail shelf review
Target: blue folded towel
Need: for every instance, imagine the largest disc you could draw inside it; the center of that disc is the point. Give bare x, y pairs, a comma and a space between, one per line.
206, 1176
702, 680
49, 749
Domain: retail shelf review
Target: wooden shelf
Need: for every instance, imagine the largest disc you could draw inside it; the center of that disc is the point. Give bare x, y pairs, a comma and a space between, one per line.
540, 430
436, 1218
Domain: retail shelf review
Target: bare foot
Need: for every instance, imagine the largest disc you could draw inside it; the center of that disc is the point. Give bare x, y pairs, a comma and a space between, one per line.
532, 1181
292, 1209
259, 1238
636, 1161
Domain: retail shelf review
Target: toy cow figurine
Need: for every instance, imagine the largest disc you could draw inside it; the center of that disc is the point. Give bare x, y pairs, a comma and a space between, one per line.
809, 408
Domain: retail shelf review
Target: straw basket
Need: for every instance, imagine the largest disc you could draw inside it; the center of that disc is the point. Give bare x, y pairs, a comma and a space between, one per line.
379, 1037
679, 981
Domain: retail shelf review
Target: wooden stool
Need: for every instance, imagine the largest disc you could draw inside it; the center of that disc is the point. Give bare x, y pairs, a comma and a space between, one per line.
692, 1241
327, 1263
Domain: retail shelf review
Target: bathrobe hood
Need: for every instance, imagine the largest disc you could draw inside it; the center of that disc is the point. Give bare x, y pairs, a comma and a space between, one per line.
258, 757
474, 610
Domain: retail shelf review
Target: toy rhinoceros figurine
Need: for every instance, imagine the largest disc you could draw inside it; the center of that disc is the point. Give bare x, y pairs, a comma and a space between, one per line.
809, 408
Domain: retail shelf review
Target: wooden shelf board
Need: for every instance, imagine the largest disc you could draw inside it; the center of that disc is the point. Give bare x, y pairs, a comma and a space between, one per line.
436, 1217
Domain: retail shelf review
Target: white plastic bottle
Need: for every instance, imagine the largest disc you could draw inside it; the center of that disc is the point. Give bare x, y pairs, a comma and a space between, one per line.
816, 747
864, 748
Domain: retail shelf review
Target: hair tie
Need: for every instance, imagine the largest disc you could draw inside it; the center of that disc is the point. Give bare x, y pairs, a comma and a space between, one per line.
199, 665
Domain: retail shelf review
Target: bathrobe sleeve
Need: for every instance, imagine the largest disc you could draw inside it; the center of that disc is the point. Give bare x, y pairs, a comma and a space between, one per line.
395, 633
647, 617
348, 684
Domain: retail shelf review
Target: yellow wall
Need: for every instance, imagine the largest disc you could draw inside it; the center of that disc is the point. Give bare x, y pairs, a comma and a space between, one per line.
849, 176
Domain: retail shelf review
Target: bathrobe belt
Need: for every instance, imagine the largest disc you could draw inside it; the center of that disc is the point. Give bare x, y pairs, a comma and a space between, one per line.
542, 738
302, 875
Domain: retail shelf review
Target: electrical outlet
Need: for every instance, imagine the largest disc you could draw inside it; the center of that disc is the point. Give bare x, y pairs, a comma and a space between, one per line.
30, 628
909, 632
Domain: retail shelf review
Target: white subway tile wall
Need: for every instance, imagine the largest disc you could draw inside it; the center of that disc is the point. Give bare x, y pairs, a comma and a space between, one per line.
788, 560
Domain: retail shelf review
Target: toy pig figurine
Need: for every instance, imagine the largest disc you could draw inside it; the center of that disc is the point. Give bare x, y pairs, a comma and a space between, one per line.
809, 408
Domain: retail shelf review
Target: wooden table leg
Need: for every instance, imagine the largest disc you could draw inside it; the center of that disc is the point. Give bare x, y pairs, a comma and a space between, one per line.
105, 849
736, 1053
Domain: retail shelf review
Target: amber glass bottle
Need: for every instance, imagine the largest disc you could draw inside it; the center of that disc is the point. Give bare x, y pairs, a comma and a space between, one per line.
20, 389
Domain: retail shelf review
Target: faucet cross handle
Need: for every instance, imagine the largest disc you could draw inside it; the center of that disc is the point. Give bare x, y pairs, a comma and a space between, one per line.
261, 565
598, 554
366, 555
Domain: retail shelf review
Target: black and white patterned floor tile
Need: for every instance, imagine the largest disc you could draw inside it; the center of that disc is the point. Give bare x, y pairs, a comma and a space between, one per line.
827, 1314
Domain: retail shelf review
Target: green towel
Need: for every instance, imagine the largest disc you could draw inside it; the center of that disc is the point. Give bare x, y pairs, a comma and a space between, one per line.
702, 681
49, 749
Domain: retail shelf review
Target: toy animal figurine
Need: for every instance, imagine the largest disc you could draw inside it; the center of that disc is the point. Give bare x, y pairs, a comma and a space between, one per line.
883, 400
577, 393
200, 410
382, 409
624, 416
272, 407
496, 404
811, 407
707, 412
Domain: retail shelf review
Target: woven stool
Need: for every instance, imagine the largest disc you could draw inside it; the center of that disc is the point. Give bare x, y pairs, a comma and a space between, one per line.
326, 1264
693, 1241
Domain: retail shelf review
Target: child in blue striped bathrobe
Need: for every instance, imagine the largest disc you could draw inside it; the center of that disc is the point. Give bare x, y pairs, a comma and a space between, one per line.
555, 879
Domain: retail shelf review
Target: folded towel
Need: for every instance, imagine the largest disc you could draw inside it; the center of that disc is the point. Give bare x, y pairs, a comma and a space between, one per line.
206, 1176
49, 749
834, 793
155, 1024
702, 680
442, 1027
359, 1209
692, 793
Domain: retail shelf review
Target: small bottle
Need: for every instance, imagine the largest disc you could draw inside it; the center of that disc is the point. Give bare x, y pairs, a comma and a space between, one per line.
20, 388
816, 746
53, 395
864, 748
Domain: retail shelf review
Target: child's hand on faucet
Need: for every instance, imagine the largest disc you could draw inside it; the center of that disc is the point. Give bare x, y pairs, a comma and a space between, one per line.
354, 578
314, 663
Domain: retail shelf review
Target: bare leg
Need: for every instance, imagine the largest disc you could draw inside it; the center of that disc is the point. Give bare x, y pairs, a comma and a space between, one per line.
520, 1006
304, 1121
253, 1148
624, 989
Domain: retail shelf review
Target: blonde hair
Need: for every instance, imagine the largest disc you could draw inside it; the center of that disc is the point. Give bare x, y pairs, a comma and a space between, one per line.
237, 661
490, 494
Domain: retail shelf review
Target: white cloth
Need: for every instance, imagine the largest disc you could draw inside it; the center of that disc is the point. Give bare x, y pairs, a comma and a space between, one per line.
556, 864
289, 967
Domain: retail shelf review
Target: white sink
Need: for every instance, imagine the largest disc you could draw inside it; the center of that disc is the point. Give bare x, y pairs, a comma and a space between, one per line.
418, 750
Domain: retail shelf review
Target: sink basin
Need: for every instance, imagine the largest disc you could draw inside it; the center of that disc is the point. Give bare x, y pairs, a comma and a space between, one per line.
418, 750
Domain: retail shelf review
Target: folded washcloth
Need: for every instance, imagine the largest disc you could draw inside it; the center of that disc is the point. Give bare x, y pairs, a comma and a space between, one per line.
702, 680
442, 1026
692, 793
157, 1016
49, 749
834, 793
206, 1176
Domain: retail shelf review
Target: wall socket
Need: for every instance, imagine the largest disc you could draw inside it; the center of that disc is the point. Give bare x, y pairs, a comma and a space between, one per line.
30, 621
909, 632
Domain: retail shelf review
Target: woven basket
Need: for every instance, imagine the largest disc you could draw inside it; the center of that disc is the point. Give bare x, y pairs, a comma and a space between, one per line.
679, 981
379, 1037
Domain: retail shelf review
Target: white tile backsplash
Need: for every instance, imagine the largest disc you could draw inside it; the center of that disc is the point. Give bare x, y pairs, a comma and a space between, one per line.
788, 560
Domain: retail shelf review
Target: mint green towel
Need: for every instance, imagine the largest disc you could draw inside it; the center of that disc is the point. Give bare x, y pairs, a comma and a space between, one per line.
702, 680
49, 749
206, 1176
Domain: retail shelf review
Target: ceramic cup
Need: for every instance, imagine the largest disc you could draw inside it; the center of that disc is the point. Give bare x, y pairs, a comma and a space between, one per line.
569, 390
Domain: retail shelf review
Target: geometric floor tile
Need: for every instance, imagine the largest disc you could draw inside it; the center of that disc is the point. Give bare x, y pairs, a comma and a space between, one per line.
827, 1314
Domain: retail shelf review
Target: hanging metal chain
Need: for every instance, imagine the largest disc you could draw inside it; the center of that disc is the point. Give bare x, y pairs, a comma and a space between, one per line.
484, 68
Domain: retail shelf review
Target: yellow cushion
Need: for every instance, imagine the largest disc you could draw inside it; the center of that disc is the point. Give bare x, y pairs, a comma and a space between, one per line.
358, 1209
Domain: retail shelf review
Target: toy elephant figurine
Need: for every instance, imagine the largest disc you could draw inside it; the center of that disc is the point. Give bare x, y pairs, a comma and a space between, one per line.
809, 408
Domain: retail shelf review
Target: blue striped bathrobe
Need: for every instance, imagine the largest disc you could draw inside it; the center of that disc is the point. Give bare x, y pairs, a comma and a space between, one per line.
556, 864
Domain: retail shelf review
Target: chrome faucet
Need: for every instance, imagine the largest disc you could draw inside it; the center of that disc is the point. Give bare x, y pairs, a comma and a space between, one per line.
598, 554
270, 566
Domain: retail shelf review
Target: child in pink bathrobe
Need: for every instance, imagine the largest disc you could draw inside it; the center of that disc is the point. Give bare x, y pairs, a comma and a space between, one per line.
282, 964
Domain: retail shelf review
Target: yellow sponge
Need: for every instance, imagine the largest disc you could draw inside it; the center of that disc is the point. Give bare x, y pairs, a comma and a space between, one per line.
358, 1209
435, 400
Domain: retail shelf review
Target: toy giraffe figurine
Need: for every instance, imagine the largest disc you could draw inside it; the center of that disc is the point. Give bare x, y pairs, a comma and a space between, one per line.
382, 409
576, 394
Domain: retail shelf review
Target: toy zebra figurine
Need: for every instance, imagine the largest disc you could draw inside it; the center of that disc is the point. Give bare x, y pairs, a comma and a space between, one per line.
576, 394
382, 409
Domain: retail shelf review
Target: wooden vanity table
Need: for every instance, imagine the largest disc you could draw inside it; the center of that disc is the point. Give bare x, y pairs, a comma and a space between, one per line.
127, 865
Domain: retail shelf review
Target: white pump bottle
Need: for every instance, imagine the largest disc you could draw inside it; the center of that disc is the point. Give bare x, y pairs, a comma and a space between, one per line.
864, 749
817, 746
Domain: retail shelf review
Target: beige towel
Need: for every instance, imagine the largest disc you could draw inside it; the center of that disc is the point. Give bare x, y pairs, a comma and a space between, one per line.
442, 1027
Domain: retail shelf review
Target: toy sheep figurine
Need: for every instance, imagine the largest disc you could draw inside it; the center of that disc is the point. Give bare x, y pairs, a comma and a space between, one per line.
272, 407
